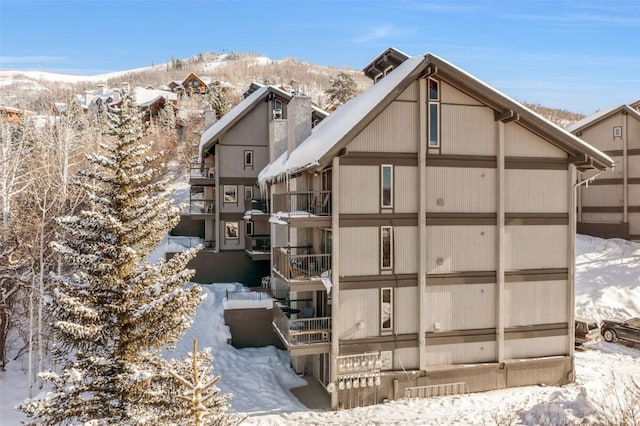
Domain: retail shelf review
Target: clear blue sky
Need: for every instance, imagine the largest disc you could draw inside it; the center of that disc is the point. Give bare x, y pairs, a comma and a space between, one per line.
579, 55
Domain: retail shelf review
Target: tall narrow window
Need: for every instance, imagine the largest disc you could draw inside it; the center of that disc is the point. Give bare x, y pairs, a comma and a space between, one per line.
386, 309
248, 192
248, 158
248, 227
386, 247
386, 171
277, 108
434, 133
434, 90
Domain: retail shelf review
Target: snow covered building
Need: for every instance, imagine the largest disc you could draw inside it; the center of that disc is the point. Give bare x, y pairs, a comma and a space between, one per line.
610, 207
424, 236
224, 193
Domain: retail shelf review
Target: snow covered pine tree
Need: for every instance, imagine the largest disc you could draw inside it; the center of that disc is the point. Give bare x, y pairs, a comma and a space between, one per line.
112, 311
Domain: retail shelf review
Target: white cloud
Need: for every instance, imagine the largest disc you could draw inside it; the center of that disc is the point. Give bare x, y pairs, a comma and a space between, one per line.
375, 34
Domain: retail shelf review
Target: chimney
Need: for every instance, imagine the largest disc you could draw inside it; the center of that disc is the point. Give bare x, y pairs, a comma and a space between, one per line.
126, 86
88, 96
209, 117
298, 121
102, 88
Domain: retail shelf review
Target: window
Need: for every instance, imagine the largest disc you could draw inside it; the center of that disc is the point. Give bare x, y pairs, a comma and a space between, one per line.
386, 247
386, 309
277, 108
386, 358
434, 134
248, 158
248, 192
230, 194
434, 90
231, 230
386, 187
248, 227
617, 132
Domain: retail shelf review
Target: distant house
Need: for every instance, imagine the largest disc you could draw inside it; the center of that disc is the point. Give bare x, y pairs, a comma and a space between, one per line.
13, 115
423, 236
610, 206
194, 85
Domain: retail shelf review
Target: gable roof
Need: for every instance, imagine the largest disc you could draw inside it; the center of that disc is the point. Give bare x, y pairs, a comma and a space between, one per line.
601, 115
391, 57
337, 130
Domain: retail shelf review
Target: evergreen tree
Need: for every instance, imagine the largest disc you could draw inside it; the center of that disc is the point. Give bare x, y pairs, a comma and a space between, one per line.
218, 99
112, 311
343, 87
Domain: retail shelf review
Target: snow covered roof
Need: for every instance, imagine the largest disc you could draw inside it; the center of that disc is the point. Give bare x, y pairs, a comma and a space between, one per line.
601, 115
146, 97
390, 57
337, 130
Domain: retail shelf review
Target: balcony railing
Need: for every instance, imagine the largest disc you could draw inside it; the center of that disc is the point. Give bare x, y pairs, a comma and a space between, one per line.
303, 331
301, 267
202, 206
199, 170
308, 203
258, 243
256, 205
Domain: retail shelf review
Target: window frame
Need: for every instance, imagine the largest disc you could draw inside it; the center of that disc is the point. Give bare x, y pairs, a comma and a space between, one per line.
278, 112
383, 167
248, 153
248, 190
431, 123
224, 193
617, 132
437, 82
389, 328
383, 265
249, 227
227, 234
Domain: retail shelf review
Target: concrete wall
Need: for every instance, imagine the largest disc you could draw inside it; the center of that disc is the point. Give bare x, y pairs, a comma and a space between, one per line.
225, 267
188, 227
251, 328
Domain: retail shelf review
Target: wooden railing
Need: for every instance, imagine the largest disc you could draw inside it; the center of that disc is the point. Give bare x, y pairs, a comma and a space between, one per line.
301, 266
303, 331
307, 203
199, 170
261, 205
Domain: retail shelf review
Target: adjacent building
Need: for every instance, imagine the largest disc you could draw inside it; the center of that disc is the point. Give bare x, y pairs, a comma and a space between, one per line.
610, 207
422, 236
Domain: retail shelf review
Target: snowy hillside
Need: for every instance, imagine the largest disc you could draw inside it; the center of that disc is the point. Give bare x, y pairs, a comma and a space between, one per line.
608, 285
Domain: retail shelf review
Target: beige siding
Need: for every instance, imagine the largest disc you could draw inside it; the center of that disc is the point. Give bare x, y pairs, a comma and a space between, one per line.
405, 189
232, 157
281, 236
601, 134
359, 189
536, 246
406, 310
536, 347
394, 130
536, 191
410, 93
359, 251
634, 194
406, 249
634, 223
461, 353
460, 307
535, 302
359, 306
460, 248
451, 95
461, 189
406, 358
602, 217
519, 142
467, 130
634, 165
634, 133
603, 195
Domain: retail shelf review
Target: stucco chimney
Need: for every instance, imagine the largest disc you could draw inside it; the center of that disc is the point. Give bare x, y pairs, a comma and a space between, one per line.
88, 96
209, 117
102, 88
126, 86
298, 121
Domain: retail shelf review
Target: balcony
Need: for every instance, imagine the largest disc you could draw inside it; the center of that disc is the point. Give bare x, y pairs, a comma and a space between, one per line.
307, 208
297, 266
302, 336
258, 247
202, 208
202, 174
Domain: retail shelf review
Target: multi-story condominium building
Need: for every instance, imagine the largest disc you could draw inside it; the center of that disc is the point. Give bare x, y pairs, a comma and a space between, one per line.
424, 234
610, 207
226, 208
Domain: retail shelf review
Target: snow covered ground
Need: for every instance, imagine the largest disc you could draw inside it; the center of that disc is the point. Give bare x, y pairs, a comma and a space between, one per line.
608, 286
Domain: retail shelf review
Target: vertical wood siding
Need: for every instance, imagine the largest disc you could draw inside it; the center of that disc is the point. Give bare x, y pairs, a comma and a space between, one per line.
405, 186
634, 133
535, 302
536, 347
634, 165
451, 95
411, 93
634, 194
467, 130
634, 223
394, 130
536, 191
406, 358
406, 313
602, 217
406, 249
359, 251
536, 246
359, 189
461, 353
519, 142
453, 248
461, 190
603, 133
603, 195
359, 306
460, 307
